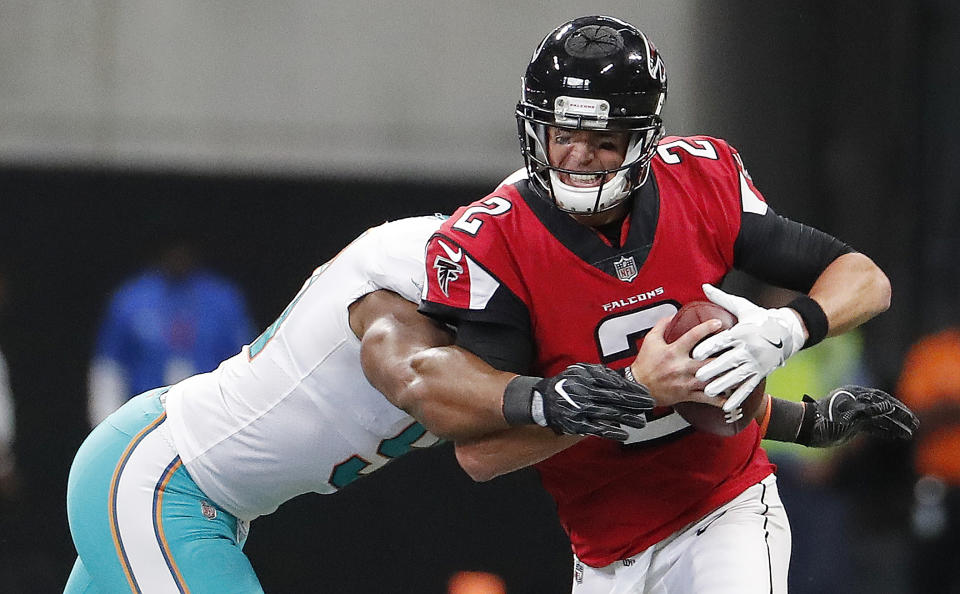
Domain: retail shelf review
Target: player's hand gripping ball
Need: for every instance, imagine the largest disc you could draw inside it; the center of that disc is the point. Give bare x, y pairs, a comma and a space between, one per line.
706, 417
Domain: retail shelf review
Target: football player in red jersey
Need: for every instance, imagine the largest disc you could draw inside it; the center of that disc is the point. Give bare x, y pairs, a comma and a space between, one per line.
584, 258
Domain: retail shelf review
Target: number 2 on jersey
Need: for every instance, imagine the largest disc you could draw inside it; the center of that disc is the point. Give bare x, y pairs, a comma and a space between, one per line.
670, 155
469, 224
617, 336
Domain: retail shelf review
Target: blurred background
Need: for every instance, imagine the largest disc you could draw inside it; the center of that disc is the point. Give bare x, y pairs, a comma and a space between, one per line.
268, 135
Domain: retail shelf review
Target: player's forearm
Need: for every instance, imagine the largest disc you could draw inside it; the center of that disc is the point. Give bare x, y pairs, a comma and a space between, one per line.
405, 356
455, 394
850, 291
838, 417
451, 392
509, 450
780, 420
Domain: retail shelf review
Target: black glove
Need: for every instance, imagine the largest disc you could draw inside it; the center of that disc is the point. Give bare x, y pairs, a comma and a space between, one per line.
583, 399
845, 412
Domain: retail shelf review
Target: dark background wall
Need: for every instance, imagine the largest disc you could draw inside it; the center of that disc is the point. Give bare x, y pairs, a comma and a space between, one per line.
845, 117
826, 102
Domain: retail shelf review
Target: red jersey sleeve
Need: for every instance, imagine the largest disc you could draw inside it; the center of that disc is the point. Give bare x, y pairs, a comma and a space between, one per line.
470, 273
710, 173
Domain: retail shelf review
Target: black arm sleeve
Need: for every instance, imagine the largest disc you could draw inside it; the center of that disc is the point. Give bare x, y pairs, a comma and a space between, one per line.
504, 347
782, 252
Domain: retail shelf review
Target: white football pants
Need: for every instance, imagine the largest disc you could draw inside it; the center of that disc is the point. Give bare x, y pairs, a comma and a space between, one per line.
742, 547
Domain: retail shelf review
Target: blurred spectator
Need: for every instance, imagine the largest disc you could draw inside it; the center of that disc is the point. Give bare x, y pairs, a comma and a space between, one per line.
820, 514
9, 481
930, 385
9, 476
173, 320
11, 496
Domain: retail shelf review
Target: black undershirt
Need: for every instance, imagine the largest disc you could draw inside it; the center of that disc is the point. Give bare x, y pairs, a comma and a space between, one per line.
611, 231
503, 347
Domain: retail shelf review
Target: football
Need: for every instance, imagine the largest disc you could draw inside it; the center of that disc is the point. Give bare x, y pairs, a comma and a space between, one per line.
704, 416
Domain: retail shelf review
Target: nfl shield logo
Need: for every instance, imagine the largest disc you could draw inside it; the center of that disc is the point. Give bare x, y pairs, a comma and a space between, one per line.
626, 268
209, 512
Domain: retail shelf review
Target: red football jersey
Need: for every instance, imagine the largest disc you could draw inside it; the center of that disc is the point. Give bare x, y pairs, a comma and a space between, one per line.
513, 258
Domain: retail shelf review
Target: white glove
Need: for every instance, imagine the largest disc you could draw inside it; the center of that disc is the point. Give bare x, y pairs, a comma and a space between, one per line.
760, 341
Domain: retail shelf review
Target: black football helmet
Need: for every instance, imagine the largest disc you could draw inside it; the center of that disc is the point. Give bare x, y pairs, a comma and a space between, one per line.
592, 73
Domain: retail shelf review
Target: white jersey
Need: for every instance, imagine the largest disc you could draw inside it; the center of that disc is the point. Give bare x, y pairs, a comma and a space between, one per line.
293, 413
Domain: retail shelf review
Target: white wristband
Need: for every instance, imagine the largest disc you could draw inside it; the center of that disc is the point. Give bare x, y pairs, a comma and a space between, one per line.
536, 409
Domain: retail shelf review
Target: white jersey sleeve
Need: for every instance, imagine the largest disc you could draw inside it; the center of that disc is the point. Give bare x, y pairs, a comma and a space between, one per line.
519, 174
292, 412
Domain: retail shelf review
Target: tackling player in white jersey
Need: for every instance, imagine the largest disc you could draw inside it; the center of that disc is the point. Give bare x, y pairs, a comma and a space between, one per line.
160, 494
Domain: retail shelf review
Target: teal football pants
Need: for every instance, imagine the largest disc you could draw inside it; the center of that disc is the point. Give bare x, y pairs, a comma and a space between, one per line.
140, 523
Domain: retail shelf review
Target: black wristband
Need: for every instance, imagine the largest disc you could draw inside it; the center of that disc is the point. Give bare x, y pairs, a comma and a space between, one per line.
518, 400
809, 420
813, 318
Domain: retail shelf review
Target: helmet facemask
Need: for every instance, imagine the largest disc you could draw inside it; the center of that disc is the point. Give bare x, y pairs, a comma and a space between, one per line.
627, 177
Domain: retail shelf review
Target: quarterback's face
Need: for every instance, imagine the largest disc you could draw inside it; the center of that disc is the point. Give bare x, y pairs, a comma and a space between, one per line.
586, 150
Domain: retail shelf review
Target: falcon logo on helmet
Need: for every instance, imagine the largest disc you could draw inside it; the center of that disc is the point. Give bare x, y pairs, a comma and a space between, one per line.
654, 62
